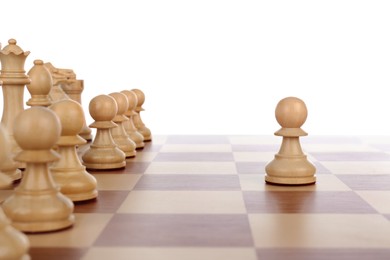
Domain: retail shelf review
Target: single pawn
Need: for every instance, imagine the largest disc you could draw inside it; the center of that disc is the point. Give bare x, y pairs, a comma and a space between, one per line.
13, 243
121, 138
290, 165
129, 126
71, 176
103, 153
137, 118
40, 85
36, 204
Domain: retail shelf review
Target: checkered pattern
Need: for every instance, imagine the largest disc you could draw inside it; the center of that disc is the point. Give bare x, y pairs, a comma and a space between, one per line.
204, 197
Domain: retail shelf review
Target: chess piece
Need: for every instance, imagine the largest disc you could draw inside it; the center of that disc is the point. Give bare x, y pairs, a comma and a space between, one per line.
290, 165
13, 243
139, 124
129, 126
121, 138
69, 174
103, 153
8, 167
36, 204
5, 180
67, 86
40, 85
13, 76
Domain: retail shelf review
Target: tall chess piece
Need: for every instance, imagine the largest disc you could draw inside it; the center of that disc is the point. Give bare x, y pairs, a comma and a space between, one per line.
37, 205
13, 243
290, 165
139, 124
121, 138
8, 167
13, 76
103, 153
129, 126
41, 83
74, 181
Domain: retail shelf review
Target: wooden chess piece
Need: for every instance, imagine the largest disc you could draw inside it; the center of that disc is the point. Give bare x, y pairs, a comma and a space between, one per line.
67, 86
129, 126
36, 204
139, 124
8, 166
40, 85
13, 76
103, 153
290, 165
69, 174
13, 243
121, 138
74, 90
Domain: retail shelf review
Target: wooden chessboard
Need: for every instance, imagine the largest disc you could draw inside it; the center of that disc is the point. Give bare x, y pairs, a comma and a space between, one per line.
204, 197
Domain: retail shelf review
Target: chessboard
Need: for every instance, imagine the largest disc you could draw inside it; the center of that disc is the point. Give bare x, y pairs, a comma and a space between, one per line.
185, 197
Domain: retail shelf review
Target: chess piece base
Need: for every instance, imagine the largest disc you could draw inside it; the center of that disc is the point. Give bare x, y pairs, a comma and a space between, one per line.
290, 170
42, 212
76, 184
104, 158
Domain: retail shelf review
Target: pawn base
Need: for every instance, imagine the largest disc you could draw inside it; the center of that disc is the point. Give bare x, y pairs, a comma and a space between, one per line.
75, 183
43, 211
104, 158
290, 170
289, 181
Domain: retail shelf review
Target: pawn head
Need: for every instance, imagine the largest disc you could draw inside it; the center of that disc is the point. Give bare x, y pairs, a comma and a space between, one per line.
291, 112
103, 108
122, 102
71, 116
37, 128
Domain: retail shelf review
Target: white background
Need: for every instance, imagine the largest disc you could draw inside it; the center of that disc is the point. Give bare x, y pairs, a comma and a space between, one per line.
220, 66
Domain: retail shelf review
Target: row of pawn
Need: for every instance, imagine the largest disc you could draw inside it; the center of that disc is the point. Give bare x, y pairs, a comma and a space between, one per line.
120, 130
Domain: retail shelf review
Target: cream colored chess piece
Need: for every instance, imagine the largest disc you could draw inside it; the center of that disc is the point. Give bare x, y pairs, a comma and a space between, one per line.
40, 85
36, 204
139, 124
66, 85
13, 243
290, 165
121, 138
13, 76
8, 167
74, 181
129, 126
103, 152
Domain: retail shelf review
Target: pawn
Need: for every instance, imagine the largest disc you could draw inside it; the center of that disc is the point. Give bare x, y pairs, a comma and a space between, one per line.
103, 153
129, 126
40, 85
121, 138
36, 204
290, 165
137, 118
74, 181
13, 243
